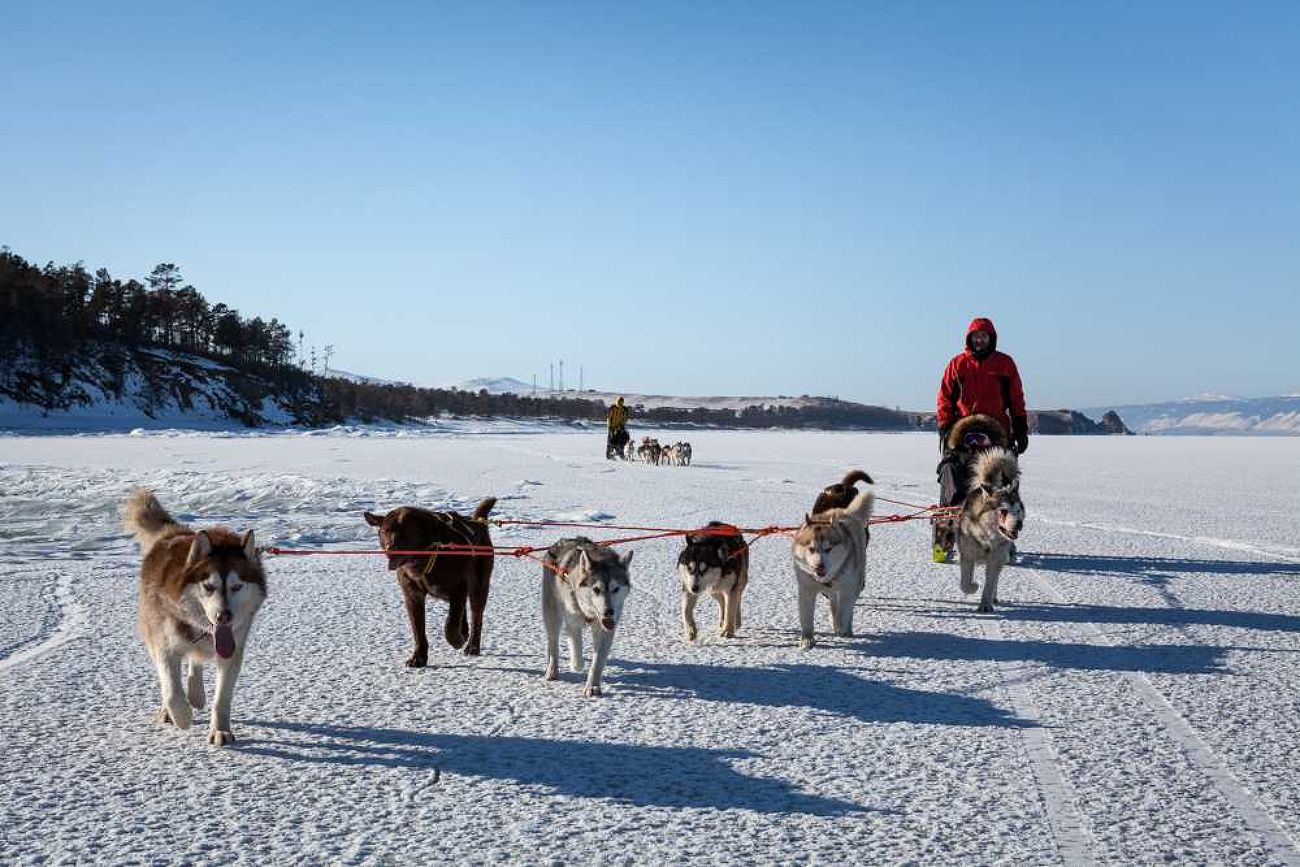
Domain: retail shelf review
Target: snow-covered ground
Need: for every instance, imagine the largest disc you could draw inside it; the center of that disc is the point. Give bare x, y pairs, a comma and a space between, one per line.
1137, 700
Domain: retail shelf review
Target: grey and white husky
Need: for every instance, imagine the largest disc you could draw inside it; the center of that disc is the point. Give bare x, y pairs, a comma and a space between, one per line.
716, 563
990, 521
830, 559
199, 593
583, 584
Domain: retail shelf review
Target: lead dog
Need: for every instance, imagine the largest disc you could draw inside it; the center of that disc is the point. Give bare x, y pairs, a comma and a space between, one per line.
716, 563
199, 593
830, 559
583, 584
455, 578
990, 521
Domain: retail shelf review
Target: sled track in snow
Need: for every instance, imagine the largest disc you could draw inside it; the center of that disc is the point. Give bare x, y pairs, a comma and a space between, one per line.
62, 623
1276, 552
1257, 818
1062, 812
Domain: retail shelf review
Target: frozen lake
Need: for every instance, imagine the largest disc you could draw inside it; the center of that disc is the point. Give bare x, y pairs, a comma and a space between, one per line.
1136, 700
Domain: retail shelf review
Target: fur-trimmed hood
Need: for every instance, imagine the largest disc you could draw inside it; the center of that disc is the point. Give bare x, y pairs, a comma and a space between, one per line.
978, 423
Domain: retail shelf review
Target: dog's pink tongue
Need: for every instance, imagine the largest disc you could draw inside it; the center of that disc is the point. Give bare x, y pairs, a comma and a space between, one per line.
224, 640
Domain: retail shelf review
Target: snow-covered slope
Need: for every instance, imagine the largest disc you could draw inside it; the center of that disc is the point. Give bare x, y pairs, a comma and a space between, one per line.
1214, 414
108, 388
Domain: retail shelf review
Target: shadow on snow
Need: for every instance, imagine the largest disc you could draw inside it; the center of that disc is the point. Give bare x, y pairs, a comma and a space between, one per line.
686, 777
821, 688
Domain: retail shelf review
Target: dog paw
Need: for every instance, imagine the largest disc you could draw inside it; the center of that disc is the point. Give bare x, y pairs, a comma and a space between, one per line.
181, 715
161, 716
806, 643
576, 665
845, 633
550, 672
472, 650
985, 608
969, 588
220, 737
691, 633
591, 692
417, 660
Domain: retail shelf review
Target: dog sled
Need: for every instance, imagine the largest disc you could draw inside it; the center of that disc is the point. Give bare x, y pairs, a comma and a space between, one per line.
968, 439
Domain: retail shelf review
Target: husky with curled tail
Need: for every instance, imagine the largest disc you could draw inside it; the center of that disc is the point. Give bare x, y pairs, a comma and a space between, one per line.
199, 593
990, 521
830, 559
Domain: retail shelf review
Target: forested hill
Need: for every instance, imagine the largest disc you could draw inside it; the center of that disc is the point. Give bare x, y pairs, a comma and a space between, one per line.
87, 348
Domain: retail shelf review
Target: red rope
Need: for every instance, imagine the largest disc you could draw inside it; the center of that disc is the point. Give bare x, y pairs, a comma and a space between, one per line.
529, 551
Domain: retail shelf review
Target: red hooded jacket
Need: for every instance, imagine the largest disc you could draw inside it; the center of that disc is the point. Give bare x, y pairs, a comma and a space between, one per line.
988, 383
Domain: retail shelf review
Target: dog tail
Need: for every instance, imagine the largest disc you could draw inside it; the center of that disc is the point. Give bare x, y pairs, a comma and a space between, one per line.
862, 505
484, 508
854, 476
147, 520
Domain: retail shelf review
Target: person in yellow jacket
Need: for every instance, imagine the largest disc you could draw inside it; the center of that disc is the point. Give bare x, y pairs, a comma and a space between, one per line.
618, 435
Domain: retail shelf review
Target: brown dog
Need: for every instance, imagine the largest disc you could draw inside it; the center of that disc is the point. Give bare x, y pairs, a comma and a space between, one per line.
840, 494
456, 578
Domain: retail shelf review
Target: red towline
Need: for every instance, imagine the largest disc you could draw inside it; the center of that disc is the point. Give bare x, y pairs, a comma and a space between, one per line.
530, 551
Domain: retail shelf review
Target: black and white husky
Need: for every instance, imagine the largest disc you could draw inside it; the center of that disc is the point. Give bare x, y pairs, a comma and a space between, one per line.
830, 559
583, 584
990, 521
716, 563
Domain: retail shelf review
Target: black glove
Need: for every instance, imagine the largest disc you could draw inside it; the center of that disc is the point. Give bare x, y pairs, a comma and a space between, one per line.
1020, 434
943, 439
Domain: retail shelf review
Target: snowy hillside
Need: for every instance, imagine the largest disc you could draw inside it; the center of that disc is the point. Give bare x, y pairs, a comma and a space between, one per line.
1132, 702
510, 385
110, 388
1214, 414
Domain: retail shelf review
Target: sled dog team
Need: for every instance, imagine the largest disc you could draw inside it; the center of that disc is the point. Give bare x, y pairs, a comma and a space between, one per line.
201, 589
651, 452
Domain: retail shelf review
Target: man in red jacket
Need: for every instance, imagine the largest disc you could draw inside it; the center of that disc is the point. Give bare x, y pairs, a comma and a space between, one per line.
981, 379
978, 380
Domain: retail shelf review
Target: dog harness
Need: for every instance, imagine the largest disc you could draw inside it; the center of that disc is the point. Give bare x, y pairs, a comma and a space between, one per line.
459, 526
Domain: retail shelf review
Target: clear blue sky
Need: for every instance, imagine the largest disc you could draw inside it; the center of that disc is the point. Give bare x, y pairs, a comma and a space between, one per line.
692, 198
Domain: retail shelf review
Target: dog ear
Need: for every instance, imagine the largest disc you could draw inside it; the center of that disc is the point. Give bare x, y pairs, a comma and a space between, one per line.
250, 548
373, 519
626, 559
199, 548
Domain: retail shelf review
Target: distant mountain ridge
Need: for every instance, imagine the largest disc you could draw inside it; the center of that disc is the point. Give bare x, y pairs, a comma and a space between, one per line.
1214, 415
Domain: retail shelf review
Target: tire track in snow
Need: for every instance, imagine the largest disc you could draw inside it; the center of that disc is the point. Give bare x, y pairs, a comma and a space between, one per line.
65, 625
1072, 841
1278, 840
